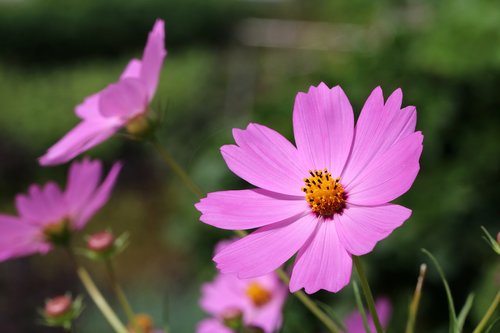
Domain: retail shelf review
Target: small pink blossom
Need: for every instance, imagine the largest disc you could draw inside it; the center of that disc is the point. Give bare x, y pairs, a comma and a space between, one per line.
354, 322
327, 197
117, 105
256, 302
47, 215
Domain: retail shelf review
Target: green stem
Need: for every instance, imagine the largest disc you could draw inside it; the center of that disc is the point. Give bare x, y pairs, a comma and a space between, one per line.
368, 293
172, 163
361, 308
309, 303
412, 317
480, 327
120, 295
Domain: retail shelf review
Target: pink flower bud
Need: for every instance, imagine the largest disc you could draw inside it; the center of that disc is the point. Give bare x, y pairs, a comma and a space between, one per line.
58, 306
100, 241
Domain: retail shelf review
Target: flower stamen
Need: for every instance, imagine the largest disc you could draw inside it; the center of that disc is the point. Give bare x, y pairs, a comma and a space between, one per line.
324, 194
258, 294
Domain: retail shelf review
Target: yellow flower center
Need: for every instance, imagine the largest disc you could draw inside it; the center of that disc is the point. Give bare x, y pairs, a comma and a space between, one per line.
258, 294
57, 233
324, 194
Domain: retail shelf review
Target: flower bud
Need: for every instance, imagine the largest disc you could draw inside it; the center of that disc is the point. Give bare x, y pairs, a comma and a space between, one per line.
58, 306
142, 322
100, 241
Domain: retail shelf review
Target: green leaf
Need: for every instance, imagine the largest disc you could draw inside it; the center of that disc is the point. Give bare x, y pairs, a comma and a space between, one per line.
465, 311
451, 306
493, 324
491, 241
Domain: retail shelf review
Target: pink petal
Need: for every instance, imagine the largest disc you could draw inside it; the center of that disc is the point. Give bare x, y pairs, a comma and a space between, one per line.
266, 159
89, 108
270, 316
323, 123
19, 239
125, 98
323, 262
360, 228
133, 70
84, 136
248, 209
42, 205
99, 197
225, 293
388, 175
379, 127
266, 249
83, 179
152, 60
212, 326
354, 322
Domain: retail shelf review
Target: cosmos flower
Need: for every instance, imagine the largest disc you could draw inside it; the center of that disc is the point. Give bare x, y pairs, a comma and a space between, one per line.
354, 322
255, 303
123, 103
327, 198
47, 215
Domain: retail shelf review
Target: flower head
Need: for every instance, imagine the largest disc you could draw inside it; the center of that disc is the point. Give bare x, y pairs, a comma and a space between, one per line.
354, 322
47, 215
233, 302
327, 198
123, 103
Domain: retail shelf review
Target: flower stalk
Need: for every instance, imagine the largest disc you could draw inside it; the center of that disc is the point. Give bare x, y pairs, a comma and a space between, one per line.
368, 293
491, 310
410, 325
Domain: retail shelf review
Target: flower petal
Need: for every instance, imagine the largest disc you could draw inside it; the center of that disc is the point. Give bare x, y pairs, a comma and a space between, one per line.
125, 98
360, 228
266, 159
270, 316
225, 293
323, 262
388, 175
99, 197
378, 128
83, 179
212, 326
42, 205
19, 239
323, 124
152, 60
248, 209
84, 136
133, 70
266, 249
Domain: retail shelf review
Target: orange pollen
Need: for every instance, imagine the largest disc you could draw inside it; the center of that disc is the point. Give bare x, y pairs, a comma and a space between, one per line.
258, 294
324, 194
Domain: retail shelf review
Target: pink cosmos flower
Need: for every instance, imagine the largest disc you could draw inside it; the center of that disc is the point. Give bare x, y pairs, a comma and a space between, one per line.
256, 302
47, 215
117, 105
354, 322
327, 198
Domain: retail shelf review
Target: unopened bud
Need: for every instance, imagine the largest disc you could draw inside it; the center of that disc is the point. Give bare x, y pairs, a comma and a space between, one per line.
143, 323
58, 306
101, 241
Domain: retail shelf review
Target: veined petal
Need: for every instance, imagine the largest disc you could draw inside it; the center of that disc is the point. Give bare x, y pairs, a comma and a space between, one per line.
266, 159
388, 175
266, 249
323, 125
125, 98
152, 60
360, 228
248, 209
323, 262
18, 239
85, 135
378, 128
99, 197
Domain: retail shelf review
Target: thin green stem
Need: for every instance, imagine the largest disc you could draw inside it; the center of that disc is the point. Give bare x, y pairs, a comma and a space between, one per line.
120, 294
368, 293
361, 307
96, 295
186, 179
412, 317
482, 324
172, 163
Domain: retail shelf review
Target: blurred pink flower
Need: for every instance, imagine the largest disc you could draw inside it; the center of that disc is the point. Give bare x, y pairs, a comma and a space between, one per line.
105, 112
47, 215
328, 198
354, 322
257, 302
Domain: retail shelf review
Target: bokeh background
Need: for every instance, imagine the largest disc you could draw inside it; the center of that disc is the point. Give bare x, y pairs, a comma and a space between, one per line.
231, 62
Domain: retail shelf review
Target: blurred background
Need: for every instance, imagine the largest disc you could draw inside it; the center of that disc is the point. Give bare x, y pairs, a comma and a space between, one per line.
231, 62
